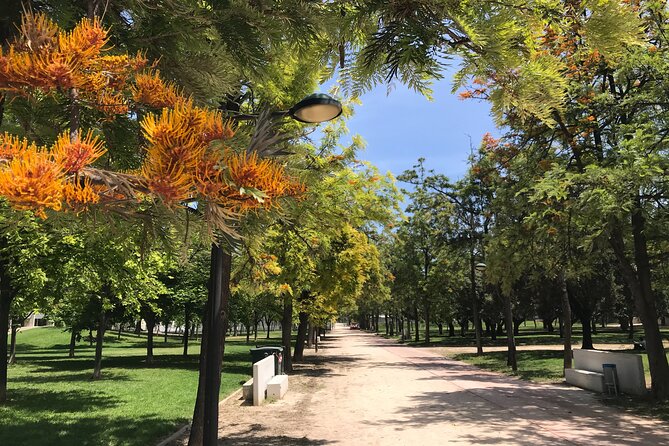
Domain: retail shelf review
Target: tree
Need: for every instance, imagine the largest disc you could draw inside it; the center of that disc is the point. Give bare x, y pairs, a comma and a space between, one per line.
21, 278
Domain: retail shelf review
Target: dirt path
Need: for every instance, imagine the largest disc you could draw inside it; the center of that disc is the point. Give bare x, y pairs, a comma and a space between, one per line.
364, 390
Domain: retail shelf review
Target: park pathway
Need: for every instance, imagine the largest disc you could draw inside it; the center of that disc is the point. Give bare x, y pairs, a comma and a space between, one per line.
364, 390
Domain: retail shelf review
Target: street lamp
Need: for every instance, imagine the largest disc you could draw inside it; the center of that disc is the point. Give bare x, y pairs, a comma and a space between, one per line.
313, 109
316, 108
480, 267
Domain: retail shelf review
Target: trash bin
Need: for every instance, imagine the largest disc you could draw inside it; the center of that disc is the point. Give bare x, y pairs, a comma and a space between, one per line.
260, 353
610, 378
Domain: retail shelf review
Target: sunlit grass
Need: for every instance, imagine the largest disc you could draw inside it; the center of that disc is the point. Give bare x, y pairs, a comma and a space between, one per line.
53, 401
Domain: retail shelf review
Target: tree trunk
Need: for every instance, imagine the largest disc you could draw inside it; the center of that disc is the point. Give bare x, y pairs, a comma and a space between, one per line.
269, 327
138, 327
451, 329
417, 331
99, 339
204, 429
248, 333
167, 326
12, 344
73, 342
298, 356
186, 328
310, 335
286, 332
120, 329
197, 426
150, 326
638, 278
510, 339
630, 334
587, 332
6, 298
427, 322
566, 319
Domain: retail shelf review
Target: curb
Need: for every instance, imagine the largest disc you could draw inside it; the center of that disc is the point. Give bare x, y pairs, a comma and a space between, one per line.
185, 427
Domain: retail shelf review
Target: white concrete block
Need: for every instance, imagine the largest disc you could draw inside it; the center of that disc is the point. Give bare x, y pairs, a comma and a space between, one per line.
277, 387
629, 368
585, 379
263, 371
247, 390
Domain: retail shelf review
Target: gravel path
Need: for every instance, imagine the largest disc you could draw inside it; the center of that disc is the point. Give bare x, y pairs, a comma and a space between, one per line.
364, 390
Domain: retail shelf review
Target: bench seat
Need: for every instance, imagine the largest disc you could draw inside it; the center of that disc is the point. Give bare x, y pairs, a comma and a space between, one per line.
277, 386
247, 390
585, 379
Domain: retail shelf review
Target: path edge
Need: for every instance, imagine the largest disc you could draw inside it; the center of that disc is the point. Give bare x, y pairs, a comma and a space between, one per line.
176, 435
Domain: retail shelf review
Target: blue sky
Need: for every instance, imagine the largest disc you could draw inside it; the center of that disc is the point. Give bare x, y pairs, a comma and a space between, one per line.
403, 126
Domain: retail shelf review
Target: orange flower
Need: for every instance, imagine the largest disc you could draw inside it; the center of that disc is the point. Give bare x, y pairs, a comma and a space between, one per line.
112, 104
11, 145
85, 41
38, 33
150, 89
74, 155
170, 182
33, 181
78, 196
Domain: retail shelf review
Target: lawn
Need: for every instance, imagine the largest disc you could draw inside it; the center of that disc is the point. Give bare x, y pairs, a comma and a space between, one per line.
540, 365
53, 401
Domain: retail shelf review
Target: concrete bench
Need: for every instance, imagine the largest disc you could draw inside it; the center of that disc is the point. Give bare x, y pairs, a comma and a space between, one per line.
263, 372
585, 379
277, 386
629, 369
247, 390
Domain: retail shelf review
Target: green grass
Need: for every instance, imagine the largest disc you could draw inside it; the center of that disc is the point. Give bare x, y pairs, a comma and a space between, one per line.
53, 401
528, 335
537, 365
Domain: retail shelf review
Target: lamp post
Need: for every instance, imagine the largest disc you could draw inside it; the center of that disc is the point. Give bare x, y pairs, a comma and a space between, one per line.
480, 268
313, 109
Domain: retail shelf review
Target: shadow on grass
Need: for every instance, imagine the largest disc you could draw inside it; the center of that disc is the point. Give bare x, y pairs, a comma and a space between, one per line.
90, 431
533, 365
39, 403
234, 362
646, 406
526, 337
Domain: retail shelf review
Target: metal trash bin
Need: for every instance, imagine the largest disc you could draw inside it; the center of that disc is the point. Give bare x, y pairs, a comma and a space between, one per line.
610, 378
260, 353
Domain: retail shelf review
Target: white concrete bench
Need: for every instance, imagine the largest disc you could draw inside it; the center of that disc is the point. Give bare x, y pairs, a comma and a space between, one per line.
585, 379
629, 369
263, 372
247, 390
277, 386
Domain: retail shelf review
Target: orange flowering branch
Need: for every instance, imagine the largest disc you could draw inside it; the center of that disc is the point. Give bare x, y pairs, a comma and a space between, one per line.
179, 162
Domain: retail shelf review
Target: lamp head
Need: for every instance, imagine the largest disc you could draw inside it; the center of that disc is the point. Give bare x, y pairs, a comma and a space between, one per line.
316, 108
480, 267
